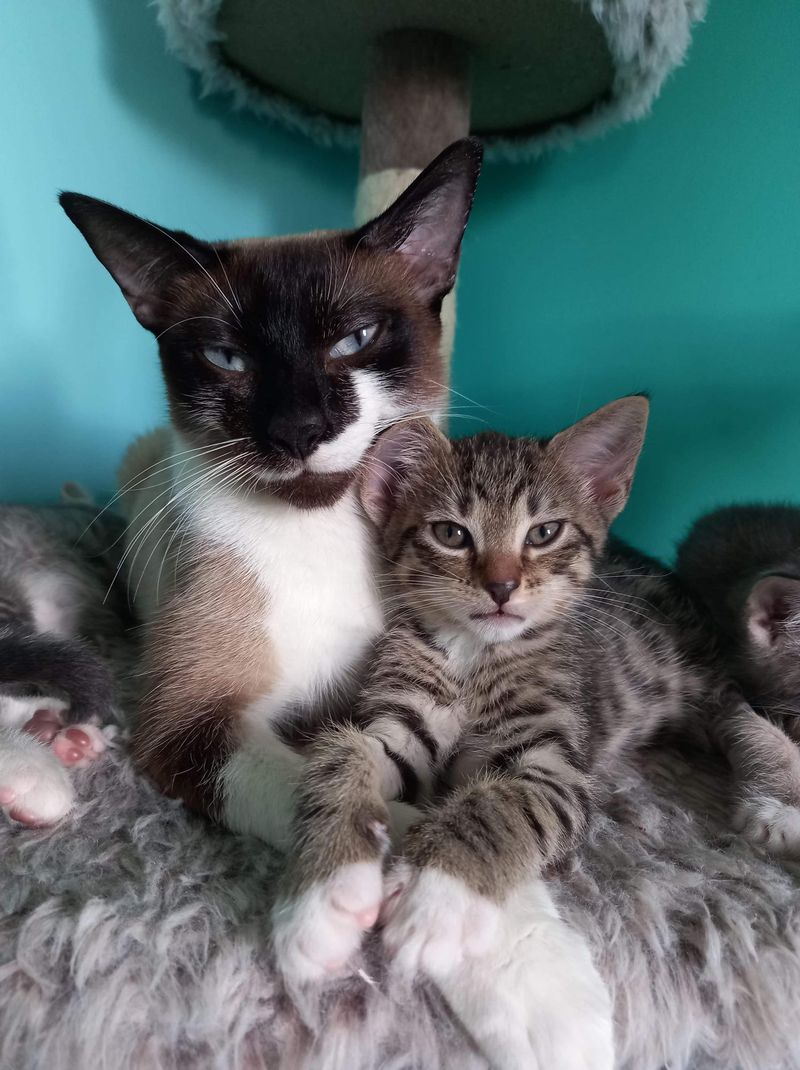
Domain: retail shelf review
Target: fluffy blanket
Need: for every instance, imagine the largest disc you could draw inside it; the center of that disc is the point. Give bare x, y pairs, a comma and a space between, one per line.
134, 935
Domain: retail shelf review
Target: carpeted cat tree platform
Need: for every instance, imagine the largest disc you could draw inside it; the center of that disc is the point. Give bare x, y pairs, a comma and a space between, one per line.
137, 936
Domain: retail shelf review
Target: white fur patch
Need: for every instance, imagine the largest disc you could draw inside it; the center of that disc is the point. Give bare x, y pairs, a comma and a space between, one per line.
434, 921
345, 451
534, 999
32, 780
17, 710
769, 823
318, 934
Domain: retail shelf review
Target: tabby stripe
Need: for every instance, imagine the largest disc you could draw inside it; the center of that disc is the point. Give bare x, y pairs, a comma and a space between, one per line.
408, 778
411, 720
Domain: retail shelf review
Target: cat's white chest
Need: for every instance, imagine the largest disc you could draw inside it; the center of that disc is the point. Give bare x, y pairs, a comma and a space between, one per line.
316, 568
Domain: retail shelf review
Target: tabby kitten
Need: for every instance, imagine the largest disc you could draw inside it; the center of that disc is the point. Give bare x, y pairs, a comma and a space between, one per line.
54, 688
524, 657
744, 563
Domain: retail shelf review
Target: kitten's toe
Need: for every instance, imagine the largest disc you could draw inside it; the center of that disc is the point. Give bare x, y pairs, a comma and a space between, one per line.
433, 920
45, 724
317, 934
78, 745
34, 788
769, 823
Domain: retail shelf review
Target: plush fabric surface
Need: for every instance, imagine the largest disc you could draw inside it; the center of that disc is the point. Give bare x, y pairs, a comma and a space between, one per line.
646, 40
135, 935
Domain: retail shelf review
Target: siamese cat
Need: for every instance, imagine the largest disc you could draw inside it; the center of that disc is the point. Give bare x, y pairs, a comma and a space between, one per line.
248, 556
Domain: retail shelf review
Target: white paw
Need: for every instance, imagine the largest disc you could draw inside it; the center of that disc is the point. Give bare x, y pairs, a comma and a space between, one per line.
34, 787
433, 921
317, 934
769, 823
534, 1000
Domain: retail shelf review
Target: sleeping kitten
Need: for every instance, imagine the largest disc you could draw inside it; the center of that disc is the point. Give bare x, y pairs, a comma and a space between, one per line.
744, 562
54, 688
248, 555
523, 658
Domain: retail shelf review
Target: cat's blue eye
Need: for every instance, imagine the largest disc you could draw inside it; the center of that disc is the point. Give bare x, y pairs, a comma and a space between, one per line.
451, 535
355, 342
542, 534
228, 360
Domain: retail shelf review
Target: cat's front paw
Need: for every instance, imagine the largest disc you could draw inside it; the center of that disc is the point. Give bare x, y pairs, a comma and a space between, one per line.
432, 920
34, 787
317, 933
769, 823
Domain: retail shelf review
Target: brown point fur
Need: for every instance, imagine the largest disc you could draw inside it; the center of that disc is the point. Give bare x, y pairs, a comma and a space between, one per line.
206, 656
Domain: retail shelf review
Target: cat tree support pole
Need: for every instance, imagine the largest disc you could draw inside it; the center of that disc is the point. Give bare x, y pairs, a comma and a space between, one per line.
416, 103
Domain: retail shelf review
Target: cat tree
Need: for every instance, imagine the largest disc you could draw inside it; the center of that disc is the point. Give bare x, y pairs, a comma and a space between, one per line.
407, 77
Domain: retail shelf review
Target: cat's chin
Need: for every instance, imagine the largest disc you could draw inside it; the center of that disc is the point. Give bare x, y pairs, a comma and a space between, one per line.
498, 627
308, 490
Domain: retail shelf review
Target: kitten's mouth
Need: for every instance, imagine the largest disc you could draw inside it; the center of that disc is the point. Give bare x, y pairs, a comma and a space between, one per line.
498, 615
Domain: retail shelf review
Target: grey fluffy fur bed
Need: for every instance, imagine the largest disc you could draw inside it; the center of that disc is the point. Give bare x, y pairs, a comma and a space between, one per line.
136, 936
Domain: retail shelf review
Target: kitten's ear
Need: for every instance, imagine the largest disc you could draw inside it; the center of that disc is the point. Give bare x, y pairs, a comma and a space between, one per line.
604, 449
772, 611
426, 223
140, 256
393, 458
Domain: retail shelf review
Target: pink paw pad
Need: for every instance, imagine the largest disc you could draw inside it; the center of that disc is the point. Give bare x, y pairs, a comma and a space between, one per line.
78, 745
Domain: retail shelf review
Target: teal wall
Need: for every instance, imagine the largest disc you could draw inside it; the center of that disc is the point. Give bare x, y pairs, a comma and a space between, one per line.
665, 257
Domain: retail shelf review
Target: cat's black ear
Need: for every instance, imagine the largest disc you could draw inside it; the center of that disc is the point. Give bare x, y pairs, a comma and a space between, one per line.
141, 256
773, 611
393, 458
603, 448
426, 223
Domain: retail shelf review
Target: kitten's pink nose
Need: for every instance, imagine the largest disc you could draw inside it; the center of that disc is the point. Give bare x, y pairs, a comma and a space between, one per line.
501, 590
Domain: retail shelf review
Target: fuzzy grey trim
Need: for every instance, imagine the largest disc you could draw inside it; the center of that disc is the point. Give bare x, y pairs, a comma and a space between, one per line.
646, 38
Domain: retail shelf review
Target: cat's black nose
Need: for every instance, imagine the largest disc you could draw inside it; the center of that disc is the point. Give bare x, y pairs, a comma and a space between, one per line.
501, 590
297, 435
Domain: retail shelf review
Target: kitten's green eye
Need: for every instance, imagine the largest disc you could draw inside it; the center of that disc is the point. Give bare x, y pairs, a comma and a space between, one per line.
542, 534
228, 360
451, 535
355, 342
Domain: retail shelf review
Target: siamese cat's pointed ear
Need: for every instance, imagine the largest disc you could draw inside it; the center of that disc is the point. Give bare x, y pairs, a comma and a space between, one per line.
391, 461
141, 256
426, 223
772, 611
603, 448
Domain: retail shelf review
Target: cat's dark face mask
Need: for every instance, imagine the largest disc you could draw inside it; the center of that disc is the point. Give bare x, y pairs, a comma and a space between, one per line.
291, 354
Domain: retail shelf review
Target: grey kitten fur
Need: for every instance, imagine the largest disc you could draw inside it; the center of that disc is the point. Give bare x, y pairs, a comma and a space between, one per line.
744, 562
55, 567
514, 731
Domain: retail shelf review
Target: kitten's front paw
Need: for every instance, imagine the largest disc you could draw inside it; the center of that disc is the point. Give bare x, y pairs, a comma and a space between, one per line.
769, 823
433, 920
34, 788
319, 932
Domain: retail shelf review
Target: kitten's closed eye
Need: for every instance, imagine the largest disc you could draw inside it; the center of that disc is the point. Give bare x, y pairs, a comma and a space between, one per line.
355, 342
227, 360
542, 534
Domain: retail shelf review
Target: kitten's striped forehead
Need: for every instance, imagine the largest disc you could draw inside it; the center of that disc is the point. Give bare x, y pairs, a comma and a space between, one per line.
506, 472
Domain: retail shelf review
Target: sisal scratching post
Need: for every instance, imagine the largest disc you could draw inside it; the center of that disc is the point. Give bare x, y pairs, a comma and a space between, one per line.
416, 103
